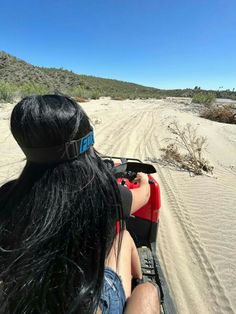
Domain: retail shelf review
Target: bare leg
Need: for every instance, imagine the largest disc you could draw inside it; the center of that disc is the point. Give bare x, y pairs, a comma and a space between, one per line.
143, 300
128, 262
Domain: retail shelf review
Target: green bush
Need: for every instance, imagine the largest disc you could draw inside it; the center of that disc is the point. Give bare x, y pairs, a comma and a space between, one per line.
7, 92
206, 99
28, 89
76, 92
95, 94
118, 97
83, 93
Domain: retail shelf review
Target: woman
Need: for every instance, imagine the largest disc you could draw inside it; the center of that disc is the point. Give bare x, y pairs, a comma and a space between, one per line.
57, 220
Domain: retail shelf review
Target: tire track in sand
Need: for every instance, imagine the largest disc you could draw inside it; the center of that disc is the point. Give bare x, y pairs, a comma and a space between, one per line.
140, 151
218, 297
217, 292
121, 133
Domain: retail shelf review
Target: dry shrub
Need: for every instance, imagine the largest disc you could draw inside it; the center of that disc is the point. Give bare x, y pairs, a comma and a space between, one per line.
80, 99
6, 92
118, 97
185, 150
225, 114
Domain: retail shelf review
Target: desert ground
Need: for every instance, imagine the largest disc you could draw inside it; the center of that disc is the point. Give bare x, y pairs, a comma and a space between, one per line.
197, 234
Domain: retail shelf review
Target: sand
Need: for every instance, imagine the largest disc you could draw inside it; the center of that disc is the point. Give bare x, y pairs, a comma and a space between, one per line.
197, 235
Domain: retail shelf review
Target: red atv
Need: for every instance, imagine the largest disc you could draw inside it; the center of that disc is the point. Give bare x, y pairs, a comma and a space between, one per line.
143, 224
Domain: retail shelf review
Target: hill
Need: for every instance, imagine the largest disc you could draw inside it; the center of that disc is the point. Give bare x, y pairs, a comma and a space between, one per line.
19, 78
20, 74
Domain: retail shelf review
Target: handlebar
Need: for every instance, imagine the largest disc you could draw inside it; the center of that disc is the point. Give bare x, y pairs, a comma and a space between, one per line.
131, 175
128, 170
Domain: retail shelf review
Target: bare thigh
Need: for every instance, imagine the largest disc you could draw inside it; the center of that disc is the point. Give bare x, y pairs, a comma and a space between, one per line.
124, 265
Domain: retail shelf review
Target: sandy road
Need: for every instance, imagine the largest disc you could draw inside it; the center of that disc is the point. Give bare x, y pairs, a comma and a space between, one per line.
197, 235
192, 274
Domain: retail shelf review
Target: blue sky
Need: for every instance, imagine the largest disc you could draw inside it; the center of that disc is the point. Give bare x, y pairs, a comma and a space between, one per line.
161, 43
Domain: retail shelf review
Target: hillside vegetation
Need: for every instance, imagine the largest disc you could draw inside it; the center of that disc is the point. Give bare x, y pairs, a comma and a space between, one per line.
19, 78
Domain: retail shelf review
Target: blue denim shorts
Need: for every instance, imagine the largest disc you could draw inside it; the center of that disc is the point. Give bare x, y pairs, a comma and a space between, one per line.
113, 295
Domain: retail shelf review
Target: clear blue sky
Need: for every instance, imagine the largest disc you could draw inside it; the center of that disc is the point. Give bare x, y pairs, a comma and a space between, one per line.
160, 43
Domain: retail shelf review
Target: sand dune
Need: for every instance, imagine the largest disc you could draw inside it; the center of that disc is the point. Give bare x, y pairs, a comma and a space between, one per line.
197, 235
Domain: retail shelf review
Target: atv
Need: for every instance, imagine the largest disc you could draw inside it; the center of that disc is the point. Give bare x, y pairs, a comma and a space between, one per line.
143, 224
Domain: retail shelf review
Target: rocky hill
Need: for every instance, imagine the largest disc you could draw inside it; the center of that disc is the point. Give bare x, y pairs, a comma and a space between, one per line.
18, 77
18, 72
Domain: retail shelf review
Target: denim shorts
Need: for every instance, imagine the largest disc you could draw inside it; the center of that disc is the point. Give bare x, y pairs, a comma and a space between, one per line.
113, 298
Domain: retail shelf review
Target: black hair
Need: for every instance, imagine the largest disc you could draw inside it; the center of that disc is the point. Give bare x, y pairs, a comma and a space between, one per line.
57, 221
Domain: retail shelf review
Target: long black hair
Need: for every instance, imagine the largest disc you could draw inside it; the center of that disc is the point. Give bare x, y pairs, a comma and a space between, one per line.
57, 220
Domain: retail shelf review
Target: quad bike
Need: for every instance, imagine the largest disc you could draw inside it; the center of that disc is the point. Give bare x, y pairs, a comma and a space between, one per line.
143, 224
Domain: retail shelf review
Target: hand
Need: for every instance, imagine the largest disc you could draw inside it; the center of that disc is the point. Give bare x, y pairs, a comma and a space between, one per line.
141, 178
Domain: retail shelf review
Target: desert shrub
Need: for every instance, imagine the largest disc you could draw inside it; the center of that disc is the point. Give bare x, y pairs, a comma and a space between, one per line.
28, 89
80, 99
118, 97
225, 114
185, 150
206, 99
76, 92
83, 93
7, 92
95, 94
